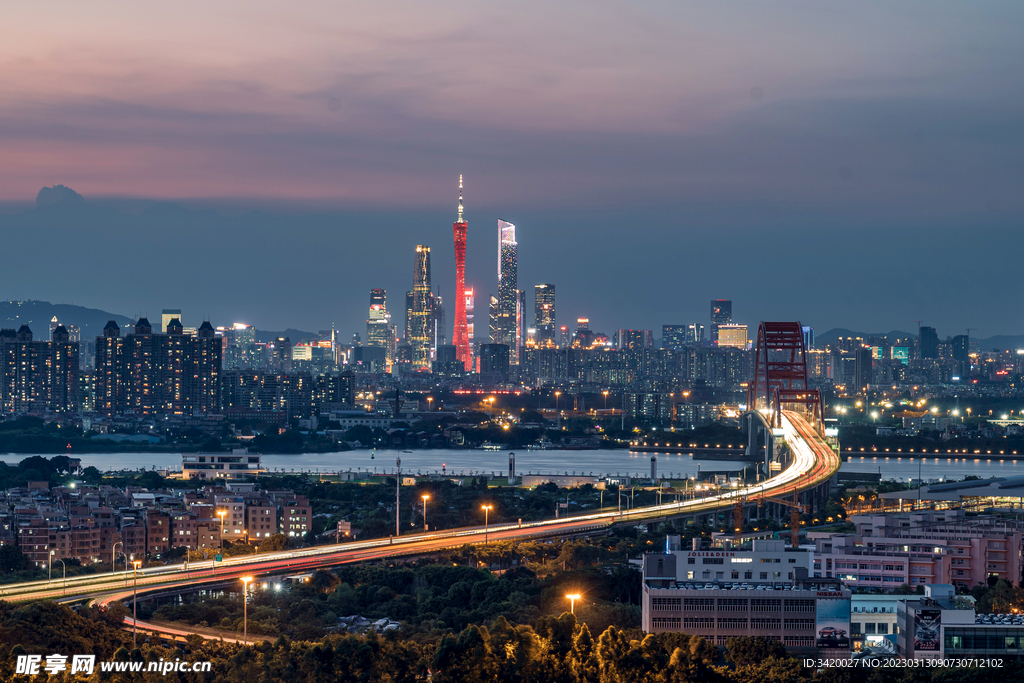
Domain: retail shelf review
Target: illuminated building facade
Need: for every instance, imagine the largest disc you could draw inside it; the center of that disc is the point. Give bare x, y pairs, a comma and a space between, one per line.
460, 334
721, 314
147, 373
732, 336
38, 376
544, 314
508, 291
470, 329
420, 311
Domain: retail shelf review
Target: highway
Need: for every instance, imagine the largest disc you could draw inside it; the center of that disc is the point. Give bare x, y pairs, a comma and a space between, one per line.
813, 463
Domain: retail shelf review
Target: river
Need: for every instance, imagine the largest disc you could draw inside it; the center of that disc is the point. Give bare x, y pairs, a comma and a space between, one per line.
597, 462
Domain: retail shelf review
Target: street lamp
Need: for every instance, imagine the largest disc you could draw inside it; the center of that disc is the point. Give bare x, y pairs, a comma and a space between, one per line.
65, 568
430, 403
221, 514
572, 597
557, 394
113, 554
425, 498
486, 509
245, 608
605, 392
49, 567
135, 604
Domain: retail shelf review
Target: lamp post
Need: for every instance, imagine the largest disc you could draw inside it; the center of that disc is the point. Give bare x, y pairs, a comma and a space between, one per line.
425, 498
398, 494
65, 568
221, 514
573, 597
486, 509
135, 605
245, 608
605, 392
557, 394
430, 403
113, 555
49, 567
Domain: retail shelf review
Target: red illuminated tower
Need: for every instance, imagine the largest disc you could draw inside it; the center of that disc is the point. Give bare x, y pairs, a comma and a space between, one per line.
460, 336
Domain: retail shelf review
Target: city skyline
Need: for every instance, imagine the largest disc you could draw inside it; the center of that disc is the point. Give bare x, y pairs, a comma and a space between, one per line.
829, 141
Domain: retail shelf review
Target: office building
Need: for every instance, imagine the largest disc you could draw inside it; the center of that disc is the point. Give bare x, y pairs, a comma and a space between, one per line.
492, 319
695, 333
147, 373
732, 336
673, 337
379, 330
470, 327
634, 339
928, 343
863, 365
764, 591
460, 334
38, 376
440, 338
447, 363
962, 354
921, 624
494, 362
507, 314
808, 337
721, 314
544, 314
420, 311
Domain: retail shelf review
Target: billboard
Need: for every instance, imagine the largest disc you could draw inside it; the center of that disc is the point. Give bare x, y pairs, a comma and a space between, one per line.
926, 630
833, 623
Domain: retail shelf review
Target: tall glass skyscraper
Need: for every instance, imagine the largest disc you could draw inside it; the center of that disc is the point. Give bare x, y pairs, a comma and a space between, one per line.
721, 314
544, 314
508, 289
378, 323
420, 325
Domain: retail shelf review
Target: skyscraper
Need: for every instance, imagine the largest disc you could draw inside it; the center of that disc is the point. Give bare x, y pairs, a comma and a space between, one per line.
460, 335
420, 324
673, 337
470, 329
379, 330
721, 314
508, 289
928, 343
544, 314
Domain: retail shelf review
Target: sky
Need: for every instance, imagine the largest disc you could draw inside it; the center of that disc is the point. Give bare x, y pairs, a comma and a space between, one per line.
849, 165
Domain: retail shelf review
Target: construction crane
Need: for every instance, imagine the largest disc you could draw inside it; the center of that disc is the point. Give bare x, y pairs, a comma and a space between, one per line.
794, 516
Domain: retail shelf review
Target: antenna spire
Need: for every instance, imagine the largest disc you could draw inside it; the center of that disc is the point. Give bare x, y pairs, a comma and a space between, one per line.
460, 200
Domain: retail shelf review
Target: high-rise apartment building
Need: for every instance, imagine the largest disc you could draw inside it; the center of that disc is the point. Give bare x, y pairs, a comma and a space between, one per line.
732, 335
148, 373
928, 342
721, 314
460, 333
544, 314
962, 352
38, 376
420, 311
167, 315
508, 290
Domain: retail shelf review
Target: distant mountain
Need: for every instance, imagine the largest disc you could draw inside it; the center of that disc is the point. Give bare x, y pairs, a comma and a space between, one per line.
37, 315
999, 342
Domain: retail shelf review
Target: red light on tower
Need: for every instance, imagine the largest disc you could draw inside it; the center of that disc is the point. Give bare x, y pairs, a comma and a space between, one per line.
460, 335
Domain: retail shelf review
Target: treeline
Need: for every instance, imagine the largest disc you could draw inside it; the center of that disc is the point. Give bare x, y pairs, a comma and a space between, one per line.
428, 598
553, 650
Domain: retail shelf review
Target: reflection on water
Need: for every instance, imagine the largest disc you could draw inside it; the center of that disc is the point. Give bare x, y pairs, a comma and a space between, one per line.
597, 462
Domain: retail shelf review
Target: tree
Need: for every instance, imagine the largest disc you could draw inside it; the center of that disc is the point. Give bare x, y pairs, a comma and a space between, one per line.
748, 650
13, 560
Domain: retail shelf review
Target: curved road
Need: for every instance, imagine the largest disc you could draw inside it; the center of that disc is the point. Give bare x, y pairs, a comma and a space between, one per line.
814, 462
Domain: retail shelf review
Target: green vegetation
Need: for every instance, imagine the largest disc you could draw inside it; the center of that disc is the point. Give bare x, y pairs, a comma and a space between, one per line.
554, 649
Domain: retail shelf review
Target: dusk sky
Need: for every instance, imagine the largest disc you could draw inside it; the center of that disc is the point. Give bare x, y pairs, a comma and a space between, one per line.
855, 165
